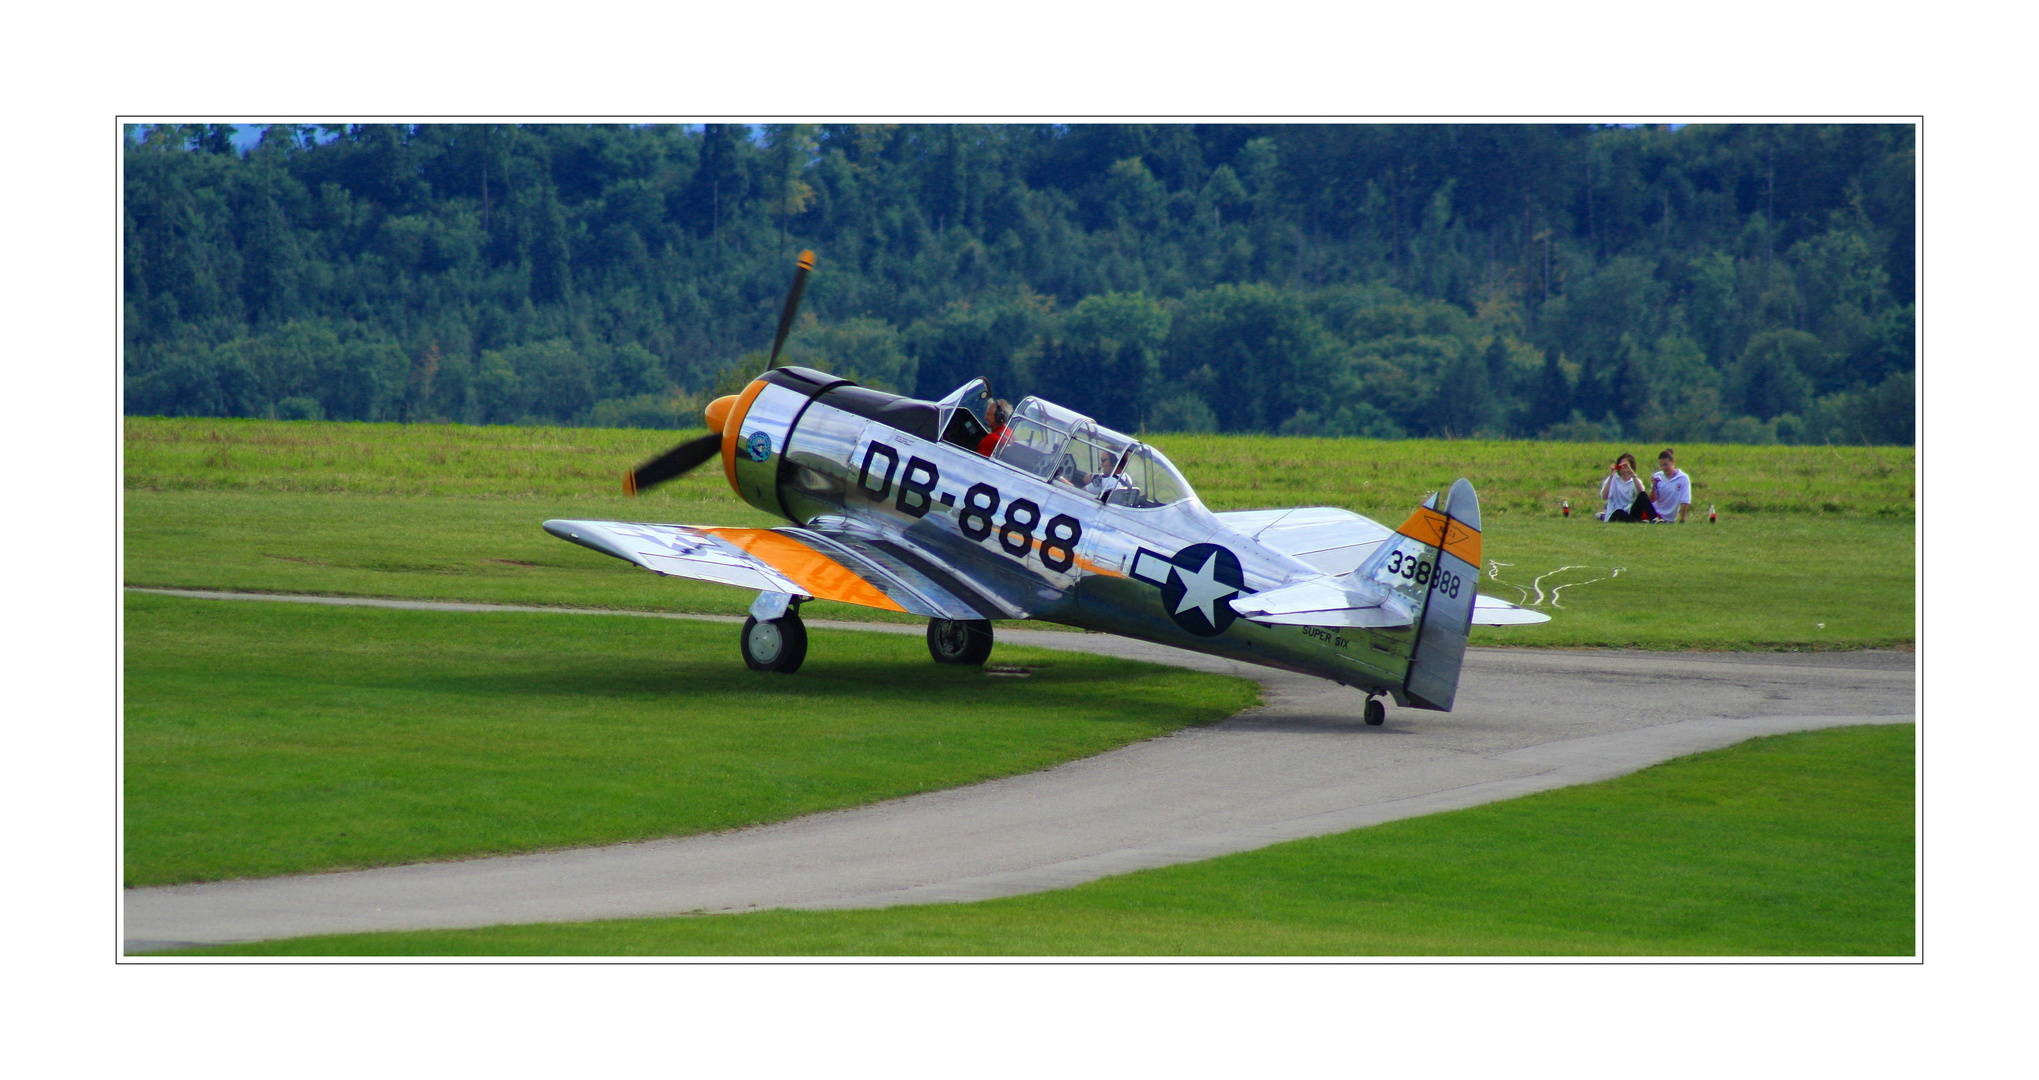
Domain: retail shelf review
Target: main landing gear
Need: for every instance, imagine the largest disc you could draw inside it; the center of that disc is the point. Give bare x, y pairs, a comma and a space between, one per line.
1376, 713
780, 644
775, 644
959, 641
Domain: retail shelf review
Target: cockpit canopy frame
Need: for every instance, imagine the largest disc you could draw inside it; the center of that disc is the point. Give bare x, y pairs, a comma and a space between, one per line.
1062, 445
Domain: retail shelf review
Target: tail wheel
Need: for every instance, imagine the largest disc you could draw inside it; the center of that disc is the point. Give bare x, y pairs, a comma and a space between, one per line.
1376, 713
774, 645
959, 641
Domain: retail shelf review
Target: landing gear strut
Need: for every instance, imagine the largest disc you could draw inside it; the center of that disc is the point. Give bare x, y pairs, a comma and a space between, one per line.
1376, 713
775, 644
959, 641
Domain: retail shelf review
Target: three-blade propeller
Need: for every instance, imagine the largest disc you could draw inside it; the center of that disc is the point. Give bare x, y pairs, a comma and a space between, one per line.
693, 453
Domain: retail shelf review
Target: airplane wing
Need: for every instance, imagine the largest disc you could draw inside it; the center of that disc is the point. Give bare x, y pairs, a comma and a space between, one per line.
1332, 540
800, 562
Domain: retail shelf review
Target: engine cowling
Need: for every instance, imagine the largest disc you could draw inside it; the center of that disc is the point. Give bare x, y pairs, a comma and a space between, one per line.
757, 425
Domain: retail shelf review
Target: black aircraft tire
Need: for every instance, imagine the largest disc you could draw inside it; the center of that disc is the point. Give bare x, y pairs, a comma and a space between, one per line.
779, 645
959, 641
1376, 713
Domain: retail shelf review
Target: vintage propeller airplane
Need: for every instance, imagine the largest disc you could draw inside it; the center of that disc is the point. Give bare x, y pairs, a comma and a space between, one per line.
914, 506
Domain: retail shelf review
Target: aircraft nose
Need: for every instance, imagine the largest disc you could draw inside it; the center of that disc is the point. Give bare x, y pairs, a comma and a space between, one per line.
718, 411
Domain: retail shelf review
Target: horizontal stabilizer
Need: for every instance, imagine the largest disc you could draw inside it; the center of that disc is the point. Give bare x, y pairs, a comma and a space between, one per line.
1488, 611
1324, 602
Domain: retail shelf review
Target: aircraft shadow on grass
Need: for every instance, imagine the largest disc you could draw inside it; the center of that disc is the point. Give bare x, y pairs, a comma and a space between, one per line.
1046, 682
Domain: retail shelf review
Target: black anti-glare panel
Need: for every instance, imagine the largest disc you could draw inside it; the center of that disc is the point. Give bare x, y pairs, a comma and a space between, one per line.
913, 417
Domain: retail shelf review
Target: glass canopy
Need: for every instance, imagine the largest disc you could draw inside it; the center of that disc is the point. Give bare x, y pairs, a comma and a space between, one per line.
1062, 446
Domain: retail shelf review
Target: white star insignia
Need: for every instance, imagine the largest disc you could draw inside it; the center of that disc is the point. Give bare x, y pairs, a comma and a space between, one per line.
1202, 590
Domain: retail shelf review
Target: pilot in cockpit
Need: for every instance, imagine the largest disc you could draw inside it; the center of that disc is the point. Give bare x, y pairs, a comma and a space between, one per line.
1107, 479
1101, 483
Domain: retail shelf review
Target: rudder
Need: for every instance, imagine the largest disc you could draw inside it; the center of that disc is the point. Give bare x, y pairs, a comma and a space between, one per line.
1437, 578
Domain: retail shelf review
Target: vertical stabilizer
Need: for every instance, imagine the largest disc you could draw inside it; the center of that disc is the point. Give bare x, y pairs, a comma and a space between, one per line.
1432, 565
1453, 538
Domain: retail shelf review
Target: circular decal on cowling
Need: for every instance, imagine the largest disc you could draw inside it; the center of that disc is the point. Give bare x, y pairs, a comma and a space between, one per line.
758, 447
1200, 588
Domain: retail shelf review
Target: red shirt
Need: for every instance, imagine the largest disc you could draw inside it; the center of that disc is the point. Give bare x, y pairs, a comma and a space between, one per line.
989, 442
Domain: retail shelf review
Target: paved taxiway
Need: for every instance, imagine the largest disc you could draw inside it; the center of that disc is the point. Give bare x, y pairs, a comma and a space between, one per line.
1300, 765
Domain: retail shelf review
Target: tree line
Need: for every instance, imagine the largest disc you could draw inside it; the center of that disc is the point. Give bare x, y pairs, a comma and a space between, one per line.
1747, 283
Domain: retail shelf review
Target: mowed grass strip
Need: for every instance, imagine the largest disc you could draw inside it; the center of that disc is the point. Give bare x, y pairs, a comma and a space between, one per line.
1815, 548
269, 738
1795, 845
334, 457
1786, 582
1381, 479
1795, 581
419, 548
1516, 478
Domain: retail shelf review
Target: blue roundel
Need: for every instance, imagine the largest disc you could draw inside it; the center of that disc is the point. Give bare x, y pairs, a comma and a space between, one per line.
1200, 587
758, 447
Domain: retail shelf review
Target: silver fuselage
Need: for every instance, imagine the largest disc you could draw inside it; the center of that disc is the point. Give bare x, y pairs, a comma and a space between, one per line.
831, 468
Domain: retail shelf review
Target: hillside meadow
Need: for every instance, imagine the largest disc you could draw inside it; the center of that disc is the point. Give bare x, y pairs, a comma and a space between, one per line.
1814, 547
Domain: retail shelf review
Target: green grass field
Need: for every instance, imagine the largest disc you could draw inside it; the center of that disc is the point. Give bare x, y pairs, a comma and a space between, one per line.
265, 739
276, 738
1796, 845
1809, 536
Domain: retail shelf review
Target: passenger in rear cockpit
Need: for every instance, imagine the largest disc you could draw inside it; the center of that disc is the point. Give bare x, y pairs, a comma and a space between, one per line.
995, 416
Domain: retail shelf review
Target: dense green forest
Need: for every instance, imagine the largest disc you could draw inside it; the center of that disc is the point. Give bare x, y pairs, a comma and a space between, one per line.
1740, 283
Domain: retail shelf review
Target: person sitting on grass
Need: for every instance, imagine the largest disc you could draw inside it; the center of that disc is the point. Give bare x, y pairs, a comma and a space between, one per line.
1670, 490
1623, 490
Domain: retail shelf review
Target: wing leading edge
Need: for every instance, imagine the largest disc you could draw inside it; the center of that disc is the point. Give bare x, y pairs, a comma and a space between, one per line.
799, 562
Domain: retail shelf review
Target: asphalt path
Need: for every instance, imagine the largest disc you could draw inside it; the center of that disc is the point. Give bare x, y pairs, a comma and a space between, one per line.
1302, 764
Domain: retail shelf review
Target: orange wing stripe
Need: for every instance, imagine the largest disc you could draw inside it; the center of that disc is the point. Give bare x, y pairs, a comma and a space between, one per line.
817, 574
1438, 531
